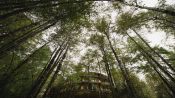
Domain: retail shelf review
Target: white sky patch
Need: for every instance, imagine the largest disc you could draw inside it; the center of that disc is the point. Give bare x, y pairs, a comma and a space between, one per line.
171, 1
160, 38
153, 3
156, 38
150, 3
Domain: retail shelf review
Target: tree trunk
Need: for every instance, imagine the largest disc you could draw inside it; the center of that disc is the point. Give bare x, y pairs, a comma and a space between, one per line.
22, 29
111, 81
165, 11
123, 70
46, 73
166, 62
165, 81
55, 74
150, 56
31, 33
2, 17
8, 76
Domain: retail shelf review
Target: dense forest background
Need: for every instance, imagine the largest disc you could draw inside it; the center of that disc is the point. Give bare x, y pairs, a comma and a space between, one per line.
44, 43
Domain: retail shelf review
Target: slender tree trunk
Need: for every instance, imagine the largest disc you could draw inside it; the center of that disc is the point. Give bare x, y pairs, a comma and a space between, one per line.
99, 66
28, 8
11, 62
158, 65
57, 49
123, 70
22, 29
55, 74
111, 81
18, 5
168, 12
42, 79
165, 81
8, 76
166, 62
165, 11
31, 33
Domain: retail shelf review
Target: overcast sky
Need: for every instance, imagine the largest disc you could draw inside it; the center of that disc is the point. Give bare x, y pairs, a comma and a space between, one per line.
159, 37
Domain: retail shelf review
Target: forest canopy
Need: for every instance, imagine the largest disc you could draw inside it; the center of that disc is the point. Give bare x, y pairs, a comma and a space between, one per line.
45, 44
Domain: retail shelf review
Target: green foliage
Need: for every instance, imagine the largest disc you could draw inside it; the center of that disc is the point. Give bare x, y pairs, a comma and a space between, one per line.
102, 25
128, 21
22, 80
70, 21
142, 89
11, 25
157, 86
97, 40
